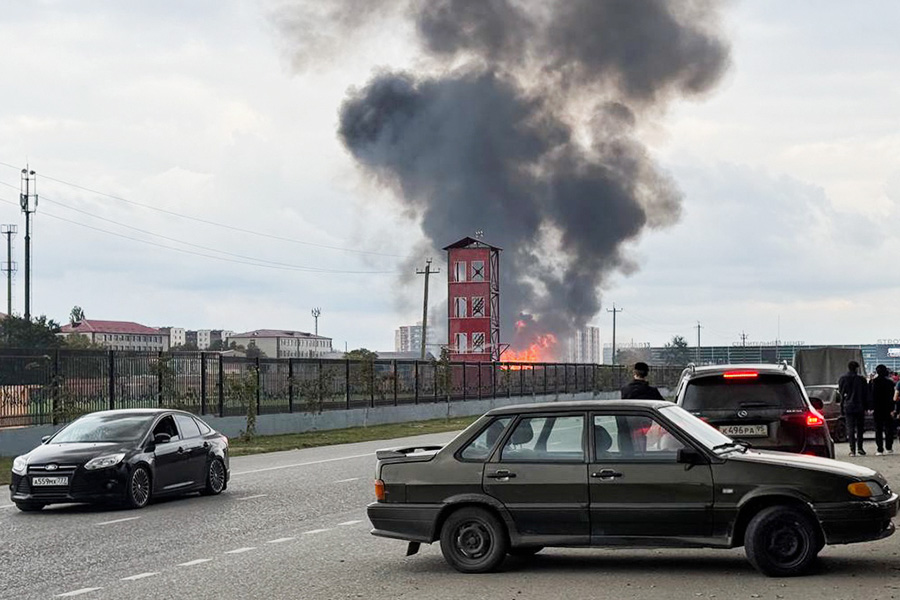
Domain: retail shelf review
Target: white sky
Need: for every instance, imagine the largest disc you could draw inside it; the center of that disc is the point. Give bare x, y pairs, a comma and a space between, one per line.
790, 171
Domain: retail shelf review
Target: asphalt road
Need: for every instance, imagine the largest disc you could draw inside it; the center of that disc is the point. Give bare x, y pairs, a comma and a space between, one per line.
293, 525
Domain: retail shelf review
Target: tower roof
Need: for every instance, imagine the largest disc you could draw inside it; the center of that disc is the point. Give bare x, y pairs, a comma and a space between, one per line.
470, 242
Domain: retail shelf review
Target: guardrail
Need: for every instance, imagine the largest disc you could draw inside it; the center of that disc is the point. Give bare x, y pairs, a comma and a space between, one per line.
54, 386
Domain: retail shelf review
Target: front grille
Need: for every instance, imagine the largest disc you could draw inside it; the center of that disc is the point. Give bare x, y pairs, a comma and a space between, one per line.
58, 470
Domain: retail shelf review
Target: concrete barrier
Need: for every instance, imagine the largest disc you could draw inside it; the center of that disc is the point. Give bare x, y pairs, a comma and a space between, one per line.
19, 440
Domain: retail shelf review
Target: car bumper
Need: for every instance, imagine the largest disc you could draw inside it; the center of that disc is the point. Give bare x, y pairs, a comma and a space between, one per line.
411, 522
858, 521
84, 486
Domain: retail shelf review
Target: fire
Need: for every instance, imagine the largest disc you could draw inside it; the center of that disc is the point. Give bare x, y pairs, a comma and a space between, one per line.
541, 350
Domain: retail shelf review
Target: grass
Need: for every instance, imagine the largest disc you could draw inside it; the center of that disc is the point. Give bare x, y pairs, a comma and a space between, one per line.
293, 441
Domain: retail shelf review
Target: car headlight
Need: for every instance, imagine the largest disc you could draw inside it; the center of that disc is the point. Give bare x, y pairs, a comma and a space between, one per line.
865, 489
102, 462
20, 465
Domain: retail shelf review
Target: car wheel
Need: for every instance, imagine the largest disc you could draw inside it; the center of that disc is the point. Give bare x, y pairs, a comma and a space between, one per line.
473, 541
215, 478
524, 551
29, 506
781, 541
137, 495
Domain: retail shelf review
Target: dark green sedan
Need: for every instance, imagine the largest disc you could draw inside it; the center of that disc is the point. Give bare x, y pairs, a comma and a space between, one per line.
620, 473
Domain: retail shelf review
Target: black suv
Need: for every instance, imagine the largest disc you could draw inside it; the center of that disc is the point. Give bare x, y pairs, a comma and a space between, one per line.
763, 405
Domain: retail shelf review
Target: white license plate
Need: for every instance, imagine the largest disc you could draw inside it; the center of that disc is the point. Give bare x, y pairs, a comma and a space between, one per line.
49, 481
745, 430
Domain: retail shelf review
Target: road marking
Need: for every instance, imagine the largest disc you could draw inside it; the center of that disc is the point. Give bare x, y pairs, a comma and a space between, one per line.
348, 523
241, 550
346, 480
304, 464
118, 521
252, 497
315, 531
139, 576
199, 561
7, 506
78, 592
281, 540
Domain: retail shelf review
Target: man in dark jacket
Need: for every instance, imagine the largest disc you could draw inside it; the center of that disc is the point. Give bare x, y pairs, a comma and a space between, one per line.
854, 391
639, 388
881, 391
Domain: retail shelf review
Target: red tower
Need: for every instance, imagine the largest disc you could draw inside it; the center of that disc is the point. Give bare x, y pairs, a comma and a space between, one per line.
473, 300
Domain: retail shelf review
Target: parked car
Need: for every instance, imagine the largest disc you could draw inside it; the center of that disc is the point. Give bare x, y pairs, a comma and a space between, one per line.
831, 410
127, 456
620, 473
764, 405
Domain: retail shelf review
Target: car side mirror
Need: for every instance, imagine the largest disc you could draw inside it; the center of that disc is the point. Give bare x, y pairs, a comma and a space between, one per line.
161, 438
690, 456
817, 403
46, 439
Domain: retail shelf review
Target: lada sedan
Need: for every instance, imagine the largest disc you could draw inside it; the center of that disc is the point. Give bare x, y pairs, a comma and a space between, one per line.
124, 456
621, 473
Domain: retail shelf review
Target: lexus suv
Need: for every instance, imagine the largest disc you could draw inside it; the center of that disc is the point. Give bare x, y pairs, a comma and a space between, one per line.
763, 405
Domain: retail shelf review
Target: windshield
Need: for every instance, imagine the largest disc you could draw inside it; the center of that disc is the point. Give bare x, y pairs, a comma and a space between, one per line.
105, 428
701, 431
762, 391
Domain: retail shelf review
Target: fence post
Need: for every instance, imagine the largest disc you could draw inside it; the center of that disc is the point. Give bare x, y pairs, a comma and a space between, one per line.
202, 383
544, 368
319, 383
493, 379
290, 385
221, 379
416, 382
258, 388
434, 379
479, 380
372, 383
347, 380
112, 380
464, 383
522, 380
394, 371
54, 389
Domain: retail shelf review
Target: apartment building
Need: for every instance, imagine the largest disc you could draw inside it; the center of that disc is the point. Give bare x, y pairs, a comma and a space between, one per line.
119, 335
280, 343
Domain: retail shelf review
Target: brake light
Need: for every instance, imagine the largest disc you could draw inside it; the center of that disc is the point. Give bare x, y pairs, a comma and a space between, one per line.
814, 419
740, 375
379, 490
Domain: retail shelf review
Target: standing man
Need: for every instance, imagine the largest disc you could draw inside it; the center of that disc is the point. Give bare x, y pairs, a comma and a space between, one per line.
881, 391
854, 403
639, 388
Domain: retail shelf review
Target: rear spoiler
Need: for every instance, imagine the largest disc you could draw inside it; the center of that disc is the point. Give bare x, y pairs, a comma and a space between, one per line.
404, 452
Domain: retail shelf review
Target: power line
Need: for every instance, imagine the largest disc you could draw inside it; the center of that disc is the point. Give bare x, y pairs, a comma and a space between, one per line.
214, 223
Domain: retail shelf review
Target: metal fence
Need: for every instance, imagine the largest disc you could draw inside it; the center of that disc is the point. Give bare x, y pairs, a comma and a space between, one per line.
54, 386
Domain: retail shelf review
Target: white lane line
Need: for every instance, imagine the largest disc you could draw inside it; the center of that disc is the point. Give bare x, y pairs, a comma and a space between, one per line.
281, 540
78, 592
345, 523
241, 550
346, 480
119, 521
191, 563
138, 576
315, 531
252, 497
312, 462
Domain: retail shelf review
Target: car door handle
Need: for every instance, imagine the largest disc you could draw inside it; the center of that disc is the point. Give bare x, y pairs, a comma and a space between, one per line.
501, 474
206, 444
606, 474
180, 450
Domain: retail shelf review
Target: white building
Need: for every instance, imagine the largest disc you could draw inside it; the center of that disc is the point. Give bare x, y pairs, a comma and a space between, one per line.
585, 346
280, 343
408, 338
119, 335
177, 335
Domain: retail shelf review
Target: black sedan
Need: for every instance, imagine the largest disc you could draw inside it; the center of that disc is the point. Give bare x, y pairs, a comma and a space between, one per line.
127, 456
621, 473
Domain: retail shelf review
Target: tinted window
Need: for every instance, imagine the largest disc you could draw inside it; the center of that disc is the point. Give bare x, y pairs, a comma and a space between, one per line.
633, 437
546, 439
204, 428
104, 428
480, 448
188, 426
166, 425
764, 391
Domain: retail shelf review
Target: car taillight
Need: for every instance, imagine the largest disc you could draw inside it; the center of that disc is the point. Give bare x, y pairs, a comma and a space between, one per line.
814, 419
740, 375
379, 490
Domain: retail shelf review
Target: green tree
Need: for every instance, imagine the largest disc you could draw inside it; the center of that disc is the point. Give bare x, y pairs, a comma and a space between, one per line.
76, 315
217, 346
253, 351
363, 375
186, 347
18, 332
80, 341
677, 352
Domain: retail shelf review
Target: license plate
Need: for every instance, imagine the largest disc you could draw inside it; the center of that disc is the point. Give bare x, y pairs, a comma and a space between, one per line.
49, 481
745, 430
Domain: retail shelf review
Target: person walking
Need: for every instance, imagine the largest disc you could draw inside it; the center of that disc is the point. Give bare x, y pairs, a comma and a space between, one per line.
881, 391
639, 388
854, 393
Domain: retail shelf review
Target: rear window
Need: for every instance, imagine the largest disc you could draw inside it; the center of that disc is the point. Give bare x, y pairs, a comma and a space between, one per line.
763, 391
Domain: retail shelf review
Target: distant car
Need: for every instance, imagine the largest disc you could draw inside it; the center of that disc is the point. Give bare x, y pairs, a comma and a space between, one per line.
764, 405
126, 456
831, 410
639, 473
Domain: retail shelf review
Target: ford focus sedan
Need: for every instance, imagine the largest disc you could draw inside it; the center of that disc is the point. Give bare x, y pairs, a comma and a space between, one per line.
124, 456
621, 473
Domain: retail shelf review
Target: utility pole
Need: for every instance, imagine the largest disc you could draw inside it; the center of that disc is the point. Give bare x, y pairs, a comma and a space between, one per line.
698, 342
743, 339
614, 311
29, 191
9, 266
315, 313
427, 272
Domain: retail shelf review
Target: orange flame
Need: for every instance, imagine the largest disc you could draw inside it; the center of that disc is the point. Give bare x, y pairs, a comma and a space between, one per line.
541, 350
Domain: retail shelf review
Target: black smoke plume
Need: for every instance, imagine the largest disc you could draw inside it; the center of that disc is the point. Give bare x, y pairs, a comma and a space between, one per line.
526, 128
